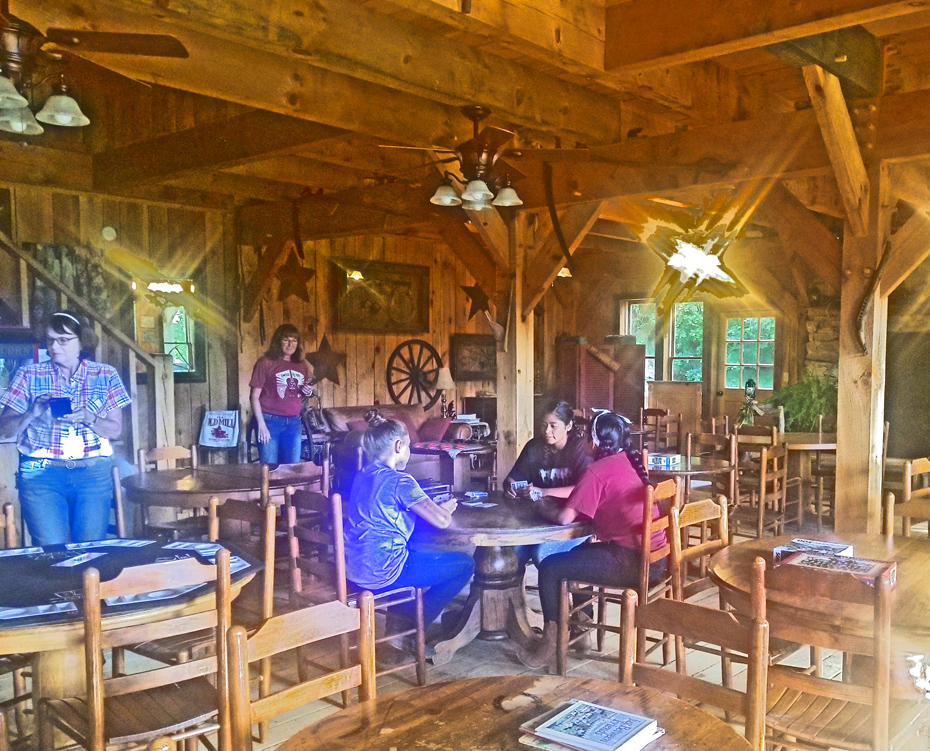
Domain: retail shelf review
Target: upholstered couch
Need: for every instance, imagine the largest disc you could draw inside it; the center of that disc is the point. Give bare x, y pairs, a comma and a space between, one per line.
347, 424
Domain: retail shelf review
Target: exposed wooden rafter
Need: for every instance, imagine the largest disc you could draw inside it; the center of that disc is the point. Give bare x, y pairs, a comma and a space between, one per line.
546, 263
842, 146
653, 34
910, 246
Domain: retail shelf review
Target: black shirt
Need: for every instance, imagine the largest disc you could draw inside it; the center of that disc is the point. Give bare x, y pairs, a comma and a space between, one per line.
544, 467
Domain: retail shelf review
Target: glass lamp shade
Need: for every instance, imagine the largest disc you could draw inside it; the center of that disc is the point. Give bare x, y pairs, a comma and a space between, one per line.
477, 192
507, 197
10, 98
445, 195
60, 109
444, 380
20, 121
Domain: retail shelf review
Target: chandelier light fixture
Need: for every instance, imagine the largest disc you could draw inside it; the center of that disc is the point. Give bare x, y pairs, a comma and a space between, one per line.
477, 194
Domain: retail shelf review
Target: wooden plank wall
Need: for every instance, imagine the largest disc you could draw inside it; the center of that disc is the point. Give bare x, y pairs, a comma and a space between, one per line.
364, 381
176, 239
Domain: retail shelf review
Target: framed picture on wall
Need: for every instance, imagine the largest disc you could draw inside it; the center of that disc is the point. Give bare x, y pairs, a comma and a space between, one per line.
380, 297
474, 357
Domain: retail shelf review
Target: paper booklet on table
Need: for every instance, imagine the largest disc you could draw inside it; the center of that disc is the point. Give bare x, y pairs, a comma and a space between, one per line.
801, 544
589, 727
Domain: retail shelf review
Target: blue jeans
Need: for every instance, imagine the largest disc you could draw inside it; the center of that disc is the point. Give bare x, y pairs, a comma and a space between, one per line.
286, 436
65, 505
542, 550
604, 563
442, 575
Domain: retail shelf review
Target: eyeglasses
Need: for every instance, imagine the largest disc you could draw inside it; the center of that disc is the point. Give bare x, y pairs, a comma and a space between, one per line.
61, 341
290, 340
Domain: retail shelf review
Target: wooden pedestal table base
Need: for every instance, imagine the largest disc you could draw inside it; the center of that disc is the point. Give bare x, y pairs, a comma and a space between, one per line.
496, 608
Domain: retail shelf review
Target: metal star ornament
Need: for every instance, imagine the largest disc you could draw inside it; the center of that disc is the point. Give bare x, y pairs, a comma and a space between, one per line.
293, 278
479, 300
326, 362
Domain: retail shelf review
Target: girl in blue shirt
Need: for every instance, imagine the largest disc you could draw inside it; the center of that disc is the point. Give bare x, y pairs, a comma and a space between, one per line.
384, 505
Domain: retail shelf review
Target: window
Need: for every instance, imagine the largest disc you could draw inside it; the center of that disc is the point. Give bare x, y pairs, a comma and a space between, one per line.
688, 342
178, 337
641, 323
750, 352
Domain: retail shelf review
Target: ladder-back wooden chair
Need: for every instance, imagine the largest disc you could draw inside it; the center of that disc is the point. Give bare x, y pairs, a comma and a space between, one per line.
836, 610
696, 623
575, 596
768, 496
910, 498
648, 423
189, 527
292, 631
16, 663
175, 700
713, 446
318, 572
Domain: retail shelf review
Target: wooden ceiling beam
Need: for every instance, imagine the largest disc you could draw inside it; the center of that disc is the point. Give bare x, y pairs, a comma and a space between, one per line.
801, 231
840, 139
612, 229
549, 260
216, 145
910, 246
852, 54
475, 257
235, 34
240, 188
643, 35
305, 173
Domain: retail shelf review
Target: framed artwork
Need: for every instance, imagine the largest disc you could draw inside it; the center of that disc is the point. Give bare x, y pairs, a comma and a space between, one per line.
380, 297
474, 357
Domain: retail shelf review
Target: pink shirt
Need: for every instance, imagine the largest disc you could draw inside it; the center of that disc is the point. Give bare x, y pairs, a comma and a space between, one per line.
612, 495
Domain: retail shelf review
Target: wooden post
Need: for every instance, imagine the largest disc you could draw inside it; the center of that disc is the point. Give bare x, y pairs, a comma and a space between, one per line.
163, 400
861, 406
515, 363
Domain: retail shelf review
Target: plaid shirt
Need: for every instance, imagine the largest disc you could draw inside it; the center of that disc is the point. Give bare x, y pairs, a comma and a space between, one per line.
94, 386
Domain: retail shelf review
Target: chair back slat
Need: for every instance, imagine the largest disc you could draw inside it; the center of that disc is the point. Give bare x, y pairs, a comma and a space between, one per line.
177, 673
8, 520
289, 632
707, 625
136, 580
147, 632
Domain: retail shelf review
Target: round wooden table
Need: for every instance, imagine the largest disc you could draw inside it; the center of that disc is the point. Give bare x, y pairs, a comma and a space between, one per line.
700, 466
56, 633
802, 445
498, 584
910, 625
192, 488
485, 714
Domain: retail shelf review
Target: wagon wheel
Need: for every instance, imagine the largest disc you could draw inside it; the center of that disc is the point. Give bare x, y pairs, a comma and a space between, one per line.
412, 371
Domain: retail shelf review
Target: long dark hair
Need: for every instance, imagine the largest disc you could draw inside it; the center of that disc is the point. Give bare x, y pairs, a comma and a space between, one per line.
610, 434
381, 434
276, 351
69, 322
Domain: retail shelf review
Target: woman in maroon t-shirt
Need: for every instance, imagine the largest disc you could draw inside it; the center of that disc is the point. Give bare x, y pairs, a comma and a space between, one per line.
278, 385
611, 492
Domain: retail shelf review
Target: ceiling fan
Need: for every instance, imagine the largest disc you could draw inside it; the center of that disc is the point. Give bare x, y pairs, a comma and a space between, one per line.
28, 58
477, 158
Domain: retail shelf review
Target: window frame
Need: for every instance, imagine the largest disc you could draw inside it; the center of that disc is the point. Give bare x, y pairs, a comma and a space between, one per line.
672, 357
624, 311
777, 343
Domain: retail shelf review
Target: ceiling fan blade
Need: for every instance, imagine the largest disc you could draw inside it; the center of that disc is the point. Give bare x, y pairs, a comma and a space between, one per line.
491, 138
120, 43
507, 169
546, 155
416, 148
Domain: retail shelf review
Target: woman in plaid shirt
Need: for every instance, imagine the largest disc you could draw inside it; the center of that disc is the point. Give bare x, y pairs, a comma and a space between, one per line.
65, 485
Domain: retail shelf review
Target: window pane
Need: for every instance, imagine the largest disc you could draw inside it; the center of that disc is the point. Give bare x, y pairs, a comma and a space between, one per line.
767, 328
733, 377
766, 378
689, 330
178, 338
686, 370
733, 330
767, 353
750, 328
749, 353
749, 373
643, 325
732, 353
650, 369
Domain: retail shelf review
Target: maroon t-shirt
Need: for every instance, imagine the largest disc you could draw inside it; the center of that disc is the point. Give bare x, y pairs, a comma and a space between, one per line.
280, 382
611, 493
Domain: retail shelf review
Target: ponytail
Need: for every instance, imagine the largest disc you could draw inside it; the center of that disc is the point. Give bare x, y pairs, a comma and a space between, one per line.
610, 434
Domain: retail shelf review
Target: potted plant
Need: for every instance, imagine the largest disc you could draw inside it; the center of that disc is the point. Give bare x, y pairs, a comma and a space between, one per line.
805, 400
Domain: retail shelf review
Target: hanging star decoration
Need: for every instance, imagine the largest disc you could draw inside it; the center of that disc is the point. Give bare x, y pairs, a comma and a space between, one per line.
293, 278
326, 362
479, 300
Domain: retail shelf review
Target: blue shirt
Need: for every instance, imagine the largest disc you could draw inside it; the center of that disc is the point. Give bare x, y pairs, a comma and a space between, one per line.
379, 524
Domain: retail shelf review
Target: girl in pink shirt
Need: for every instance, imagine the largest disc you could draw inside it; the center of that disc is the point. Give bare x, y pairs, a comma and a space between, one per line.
611, 493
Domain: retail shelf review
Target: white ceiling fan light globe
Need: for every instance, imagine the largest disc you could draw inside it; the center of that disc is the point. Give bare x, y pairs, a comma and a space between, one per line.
61, 109
477, 192
20, 121
445, 195
507, 197
10, 98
